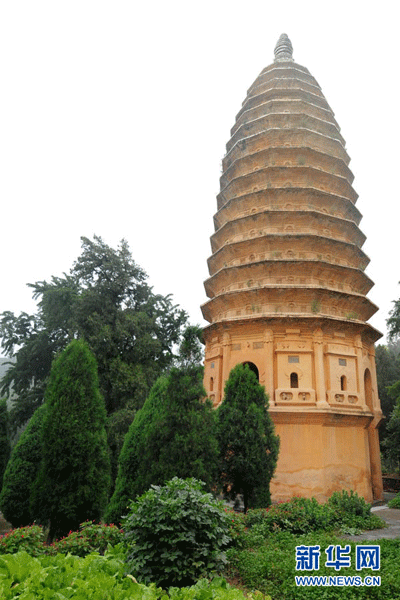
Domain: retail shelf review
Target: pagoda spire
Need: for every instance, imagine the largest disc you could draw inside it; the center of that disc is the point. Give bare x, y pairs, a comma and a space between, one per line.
283, 49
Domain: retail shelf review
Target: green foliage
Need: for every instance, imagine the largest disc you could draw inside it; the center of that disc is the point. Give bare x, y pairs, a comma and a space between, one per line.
248, 444
73, 480
342, 512
96, 578
172, 435
29, 539
191, 349
349, 504
391, 443
91, 537
4, 439
387, 373
176, 533
21, 472
105, 300
394, 502
267, 563
299, 515
117, 426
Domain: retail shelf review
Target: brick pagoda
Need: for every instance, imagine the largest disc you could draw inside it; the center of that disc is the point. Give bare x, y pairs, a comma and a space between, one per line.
287, 286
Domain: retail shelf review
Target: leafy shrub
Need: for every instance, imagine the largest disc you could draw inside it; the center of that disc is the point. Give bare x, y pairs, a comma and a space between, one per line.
29, 539
343, 512
91, 537
298, 515
176, 533
394, 502
237, 526
348, 509
349, 503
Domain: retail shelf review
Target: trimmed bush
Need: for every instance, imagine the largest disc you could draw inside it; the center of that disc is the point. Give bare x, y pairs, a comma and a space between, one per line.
176, 534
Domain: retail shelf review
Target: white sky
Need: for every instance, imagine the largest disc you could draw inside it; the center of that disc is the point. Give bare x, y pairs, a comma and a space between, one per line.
114, 117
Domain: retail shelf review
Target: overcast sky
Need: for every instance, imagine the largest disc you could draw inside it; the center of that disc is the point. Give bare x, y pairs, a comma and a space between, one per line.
114, 117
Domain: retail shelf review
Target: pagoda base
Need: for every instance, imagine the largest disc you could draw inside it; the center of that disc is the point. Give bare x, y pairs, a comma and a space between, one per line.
320, 378
325, 452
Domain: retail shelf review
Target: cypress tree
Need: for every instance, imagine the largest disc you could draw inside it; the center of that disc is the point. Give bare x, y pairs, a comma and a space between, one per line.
248, 444
21, 472
4, 439
172, 435
74, 478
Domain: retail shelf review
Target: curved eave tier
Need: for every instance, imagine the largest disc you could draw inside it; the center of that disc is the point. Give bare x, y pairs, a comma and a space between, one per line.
275, 137
288, 122
310, 222
287, 177
311, 273
278, 156
290, 301
291, 246
309, 321
256, 104
293, 199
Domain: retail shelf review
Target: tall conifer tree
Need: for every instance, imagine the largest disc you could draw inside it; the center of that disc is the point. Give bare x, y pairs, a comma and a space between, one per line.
74, 478
172, 435
248, 444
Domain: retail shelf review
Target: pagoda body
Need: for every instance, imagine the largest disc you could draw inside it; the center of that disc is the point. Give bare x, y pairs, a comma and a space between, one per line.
287, 286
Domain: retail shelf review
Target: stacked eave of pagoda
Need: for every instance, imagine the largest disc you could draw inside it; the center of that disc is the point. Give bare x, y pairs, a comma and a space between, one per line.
287, 240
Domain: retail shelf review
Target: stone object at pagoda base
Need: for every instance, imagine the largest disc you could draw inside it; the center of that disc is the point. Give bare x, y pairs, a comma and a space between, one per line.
287, 286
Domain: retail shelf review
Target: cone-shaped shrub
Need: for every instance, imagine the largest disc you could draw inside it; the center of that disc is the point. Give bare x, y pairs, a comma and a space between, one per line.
74, 478
21, 472
172, 435
248, 444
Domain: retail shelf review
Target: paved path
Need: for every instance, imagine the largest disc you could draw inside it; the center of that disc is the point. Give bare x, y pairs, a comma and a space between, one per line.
392, 531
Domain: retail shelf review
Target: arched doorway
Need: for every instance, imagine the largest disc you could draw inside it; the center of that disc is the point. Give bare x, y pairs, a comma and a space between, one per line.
253, 368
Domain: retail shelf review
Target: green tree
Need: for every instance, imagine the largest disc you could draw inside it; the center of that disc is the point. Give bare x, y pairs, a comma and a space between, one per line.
4, 438
106, 301
387, 373
391, 443
74, 477
172, 435
21, 472
191, 349
248, 444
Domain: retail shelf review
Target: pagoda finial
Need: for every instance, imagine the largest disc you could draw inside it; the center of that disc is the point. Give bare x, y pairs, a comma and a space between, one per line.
283, 49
